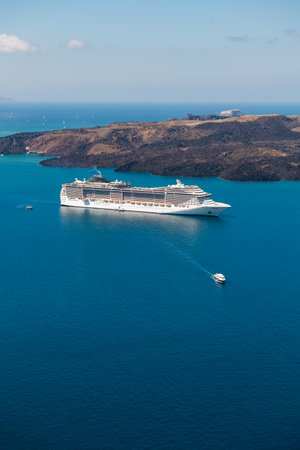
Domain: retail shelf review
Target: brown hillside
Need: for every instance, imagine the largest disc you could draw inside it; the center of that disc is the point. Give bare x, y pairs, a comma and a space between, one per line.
249, 148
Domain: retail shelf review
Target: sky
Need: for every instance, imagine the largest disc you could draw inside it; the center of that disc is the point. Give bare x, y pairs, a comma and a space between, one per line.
158, 50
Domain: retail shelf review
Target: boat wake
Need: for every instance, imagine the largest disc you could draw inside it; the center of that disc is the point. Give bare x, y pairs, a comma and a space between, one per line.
219, 278
188, 258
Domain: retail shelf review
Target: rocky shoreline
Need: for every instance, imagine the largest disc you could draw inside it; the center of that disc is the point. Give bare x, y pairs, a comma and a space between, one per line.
248, 148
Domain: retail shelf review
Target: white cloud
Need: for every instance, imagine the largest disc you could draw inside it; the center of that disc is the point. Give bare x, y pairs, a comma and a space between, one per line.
75, 43
11, 44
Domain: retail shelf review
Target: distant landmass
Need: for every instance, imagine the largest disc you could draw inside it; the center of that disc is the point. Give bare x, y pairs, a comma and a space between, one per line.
247, 148
6, 99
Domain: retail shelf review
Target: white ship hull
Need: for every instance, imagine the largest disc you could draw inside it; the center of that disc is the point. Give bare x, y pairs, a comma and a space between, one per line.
210, 209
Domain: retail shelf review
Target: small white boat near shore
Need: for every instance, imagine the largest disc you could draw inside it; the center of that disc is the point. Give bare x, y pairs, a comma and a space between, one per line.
219, 278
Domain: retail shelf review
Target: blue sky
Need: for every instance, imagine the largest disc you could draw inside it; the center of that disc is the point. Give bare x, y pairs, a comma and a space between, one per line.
150, 51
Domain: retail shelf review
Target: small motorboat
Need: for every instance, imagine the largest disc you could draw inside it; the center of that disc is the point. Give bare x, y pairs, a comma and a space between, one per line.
29, 207
219, 278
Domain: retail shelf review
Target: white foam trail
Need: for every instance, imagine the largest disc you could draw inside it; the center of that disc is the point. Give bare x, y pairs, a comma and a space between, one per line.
188, 258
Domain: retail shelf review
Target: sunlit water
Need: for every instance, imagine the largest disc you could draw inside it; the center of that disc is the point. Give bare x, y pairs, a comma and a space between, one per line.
113, 334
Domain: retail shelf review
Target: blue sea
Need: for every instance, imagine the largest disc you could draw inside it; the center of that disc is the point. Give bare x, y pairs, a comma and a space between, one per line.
113, 334
19, 117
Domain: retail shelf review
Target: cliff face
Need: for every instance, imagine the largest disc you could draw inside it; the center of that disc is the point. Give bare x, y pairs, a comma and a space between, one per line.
249, 148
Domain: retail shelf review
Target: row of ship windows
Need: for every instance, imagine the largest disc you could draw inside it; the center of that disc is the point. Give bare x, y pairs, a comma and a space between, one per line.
173, 198
121, 202
125, 195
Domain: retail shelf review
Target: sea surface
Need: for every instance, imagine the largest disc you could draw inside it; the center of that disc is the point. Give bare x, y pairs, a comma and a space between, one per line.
19, 117
113, 334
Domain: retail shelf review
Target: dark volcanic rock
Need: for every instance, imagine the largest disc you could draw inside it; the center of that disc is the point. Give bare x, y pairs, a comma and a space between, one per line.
249, 148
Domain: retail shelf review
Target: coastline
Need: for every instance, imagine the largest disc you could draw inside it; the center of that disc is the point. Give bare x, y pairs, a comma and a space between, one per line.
248, 148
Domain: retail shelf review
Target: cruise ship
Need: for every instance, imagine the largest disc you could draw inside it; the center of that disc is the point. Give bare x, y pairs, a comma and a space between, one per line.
99, 192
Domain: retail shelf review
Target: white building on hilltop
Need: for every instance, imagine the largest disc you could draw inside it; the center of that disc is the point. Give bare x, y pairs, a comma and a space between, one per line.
231, 113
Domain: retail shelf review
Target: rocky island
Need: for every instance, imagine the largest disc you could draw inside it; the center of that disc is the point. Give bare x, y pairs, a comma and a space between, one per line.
247, 148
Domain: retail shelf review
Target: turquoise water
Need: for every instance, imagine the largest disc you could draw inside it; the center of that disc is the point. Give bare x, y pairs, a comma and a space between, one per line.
16, 117
113, 335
